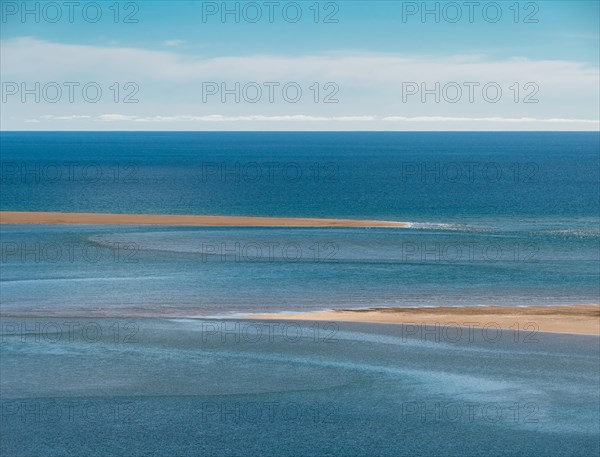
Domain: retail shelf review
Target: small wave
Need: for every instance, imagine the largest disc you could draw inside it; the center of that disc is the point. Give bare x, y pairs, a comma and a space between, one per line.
448, 227
576, 233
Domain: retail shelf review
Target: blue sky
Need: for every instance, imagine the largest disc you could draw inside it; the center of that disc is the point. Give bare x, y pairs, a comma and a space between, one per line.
368, 60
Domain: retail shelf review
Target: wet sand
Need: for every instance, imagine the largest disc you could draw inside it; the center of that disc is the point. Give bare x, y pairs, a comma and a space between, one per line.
582, 319
14, 217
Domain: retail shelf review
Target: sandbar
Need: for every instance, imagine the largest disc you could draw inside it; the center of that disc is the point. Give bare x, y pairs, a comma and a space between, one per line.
51, 218
581, 319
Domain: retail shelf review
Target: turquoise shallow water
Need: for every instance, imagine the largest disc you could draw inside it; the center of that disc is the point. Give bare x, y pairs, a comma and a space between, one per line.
208, 387
215, 272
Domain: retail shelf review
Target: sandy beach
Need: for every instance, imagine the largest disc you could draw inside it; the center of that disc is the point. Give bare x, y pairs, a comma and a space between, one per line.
15, 217
582, 319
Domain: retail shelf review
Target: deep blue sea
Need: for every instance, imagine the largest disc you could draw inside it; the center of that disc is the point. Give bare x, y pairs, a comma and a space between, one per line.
100, 356
443, 178
496, 218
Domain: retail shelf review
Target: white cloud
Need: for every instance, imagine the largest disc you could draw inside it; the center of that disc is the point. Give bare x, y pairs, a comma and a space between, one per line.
72, 117
116, 117
29, 57
486, 119
309, 118
213, 118
174, 42
170, 83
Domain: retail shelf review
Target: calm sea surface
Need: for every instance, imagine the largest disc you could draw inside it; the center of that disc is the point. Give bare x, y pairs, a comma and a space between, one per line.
496, 218
99, 357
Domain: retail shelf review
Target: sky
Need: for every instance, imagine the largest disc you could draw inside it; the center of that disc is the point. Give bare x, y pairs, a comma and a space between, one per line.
304, 65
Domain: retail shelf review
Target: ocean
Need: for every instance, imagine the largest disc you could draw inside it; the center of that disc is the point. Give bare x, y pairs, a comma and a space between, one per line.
495, 218
104, 387
128, 340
